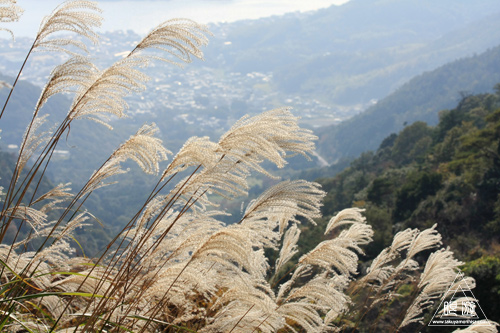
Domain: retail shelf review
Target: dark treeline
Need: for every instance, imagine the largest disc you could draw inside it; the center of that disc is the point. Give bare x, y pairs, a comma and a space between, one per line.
447, 175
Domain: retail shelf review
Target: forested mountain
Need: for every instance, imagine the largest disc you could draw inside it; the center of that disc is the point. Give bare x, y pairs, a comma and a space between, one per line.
172, 264
448, 174
328, 64
89, 240
362, 50
420, 99
336, 54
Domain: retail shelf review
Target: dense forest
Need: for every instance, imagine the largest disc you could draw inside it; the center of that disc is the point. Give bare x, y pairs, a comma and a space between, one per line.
420, 99
448, 174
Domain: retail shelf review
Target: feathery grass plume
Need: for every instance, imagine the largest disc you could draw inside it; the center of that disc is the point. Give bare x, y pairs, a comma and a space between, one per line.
336, 255
60, 191
78, 16
98, 178
230, 247
31, 142
101, 94
339, 255
270, 136
9, 12
440, 272
289, 247
426, 239
359, 233
380, 269
188, 232
285, 202
247, 305
195, 151
58, 194
74, 223
31, 215
303, 314
78, 72
142, 147
180, 38
346, 216
182, 288
178, 267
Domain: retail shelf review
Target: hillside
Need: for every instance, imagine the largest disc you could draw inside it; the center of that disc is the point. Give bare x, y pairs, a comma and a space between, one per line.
363, 50
328, 64
420, 99
448, 174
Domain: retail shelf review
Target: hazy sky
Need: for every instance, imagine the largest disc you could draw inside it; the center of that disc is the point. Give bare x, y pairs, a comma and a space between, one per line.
143, 15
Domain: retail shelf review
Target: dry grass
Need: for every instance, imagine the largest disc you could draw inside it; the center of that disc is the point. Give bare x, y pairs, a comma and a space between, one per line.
175, 266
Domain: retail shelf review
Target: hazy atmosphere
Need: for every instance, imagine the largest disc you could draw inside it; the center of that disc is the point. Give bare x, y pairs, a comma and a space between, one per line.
250, 166
143, 15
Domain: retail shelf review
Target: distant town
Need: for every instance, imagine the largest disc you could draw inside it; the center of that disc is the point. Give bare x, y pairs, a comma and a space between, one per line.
197, 94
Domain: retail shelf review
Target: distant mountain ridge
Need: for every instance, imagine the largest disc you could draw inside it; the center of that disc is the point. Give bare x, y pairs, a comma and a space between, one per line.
420, 99
359, 51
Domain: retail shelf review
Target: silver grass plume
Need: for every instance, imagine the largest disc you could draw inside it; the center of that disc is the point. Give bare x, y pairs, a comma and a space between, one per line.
339, 255
426, 239
32, 140
245, 305
380, 269
60, 191
75, 223
101, 93
195, 151
180, 38
55, 196
78, 16
300, 271
78, 72
34, 217
324, 294
441, 270
9, 12
184, 236
142, 147
285, 202
230, 247
346, 216
289, 247
100, 177
272, 135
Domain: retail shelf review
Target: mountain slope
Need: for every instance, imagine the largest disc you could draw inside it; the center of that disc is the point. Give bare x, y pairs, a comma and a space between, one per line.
447, 175
362, 50
418, 100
